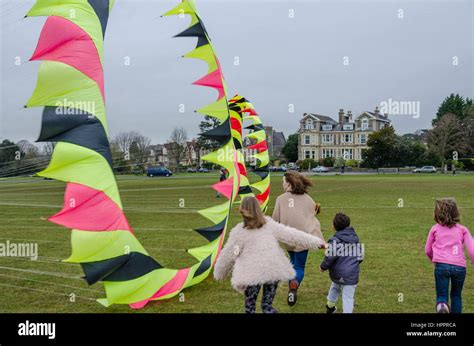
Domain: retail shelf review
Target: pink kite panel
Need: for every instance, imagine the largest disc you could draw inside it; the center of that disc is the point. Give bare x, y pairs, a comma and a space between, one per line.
88, 209
225, 187
213, 80
172, 286
63, 41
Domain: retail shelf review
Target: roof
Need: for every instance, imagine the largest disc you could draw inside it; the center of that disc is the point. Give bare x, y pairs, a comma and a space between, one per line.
319, 117
378, 116
279, 139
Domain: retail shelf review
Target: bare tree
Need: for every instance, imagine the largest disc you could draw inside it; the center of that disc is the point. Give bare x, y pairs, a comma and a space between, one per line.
447, 136
468, 124
28, 150
123, 142
177, 145
140, 148
133, 146
48, 148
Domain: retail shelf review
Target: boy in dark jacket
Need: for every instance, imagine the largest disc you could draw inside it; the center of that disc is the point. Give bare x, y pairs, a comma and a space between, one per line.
343, 257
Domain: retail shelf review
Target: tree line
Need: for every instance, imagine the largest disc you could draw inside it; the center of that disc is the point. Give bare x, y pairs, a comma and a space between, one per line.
449, 142
131, 152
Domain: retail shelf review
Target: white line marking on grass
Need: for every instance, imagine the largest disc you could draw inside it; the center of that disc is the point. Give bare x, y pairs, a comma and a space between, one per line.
34, 240
55, 261
168, 188
58, 227
66, 241
43, 291
15, 189
51, 283
31, 205
35, 227
177, 211
39, 272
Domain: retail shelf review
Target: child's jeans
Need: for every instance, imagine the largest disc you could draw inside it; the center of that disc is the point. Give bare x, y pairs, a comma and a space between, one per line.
251, 294
348, 292
444, 273
298, 260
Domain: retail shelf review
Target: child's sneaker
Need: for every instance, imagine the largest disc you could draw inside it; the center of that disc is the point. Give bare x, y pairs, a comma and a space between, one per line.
331, 310
292, 293
271, 310
442, 308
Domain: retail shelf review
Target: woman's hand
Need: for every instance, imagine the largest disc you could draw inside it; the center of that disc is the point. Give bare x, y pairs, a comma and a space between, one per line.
317, 208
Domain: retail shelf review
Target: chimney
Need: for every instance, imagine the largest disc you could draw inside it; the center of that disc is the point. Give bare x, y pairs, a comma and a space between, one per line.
377, 111
349, 115
341, 116
385, 115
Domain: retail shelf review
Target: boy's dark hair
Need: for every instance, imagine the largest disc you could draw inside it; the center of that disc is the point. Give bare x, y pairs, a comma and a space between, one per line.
341, 221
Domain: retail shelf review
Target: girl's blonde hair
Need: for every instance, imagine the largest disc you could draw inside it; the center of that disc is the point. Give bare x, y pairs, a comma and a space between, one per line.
252, 214
446, 212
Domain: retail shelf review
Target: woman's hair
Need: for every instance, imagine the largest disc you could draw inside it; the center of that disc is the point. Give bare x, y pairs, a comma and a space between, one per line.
446, 212
252, 214
299, 183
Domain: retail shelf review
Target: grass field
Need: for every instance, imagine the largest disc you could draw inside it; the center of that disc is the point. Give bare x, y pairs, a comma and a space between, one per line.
394, 237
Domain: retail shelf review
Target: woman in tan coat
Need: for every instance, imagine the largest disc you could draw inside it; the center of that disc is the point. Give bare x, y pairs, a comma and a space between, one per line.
295, 208
254, 257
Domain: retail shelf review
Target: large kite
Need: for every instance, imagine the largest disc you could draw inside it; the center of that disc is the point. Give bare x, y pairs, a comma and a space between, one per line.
70, 87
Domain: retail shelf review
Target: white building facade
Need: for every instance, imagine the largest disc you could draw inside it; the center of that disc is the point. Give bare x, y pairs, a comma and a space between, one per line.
321, 136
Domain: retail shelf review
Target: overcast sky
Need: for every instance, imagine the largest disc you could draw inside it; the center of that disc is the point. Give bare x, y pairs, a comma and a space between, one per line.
316, 55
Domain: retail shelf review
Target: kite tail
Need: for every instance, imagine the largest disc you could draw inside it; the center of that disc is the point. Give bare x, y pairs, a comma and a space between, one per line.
70, 87
259, 149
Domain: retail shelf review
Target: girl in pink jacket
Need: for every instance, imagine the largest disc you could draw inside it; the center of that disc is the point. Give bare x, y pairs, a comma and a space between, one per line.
254, 257
445, 248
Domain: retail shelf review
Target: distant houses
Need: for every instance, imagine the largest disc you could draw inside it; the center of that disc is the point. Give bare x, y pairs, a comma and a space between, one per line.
321, 136
192, 153
275, 141
164, 154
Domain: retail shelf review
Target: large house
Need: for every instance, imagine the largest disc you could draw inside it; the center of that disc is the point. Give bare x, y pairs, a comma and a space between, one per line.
321, 136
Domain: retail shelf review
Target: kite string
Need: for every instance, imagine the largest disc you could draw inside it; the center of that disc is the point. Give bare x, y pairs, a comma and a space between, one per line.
51, 283
43, 291
39, 272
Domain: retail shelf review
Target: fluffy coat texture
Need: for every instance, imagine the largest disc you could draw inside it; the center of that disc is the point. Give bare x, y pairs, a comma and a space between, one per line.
254, 256
297, 211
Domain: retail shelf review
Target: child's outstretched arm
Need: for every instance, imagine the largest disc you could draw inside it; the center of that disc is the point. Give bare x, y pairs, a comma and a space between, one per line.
469, 243
429, 244
328, 259
293, 237
225, 261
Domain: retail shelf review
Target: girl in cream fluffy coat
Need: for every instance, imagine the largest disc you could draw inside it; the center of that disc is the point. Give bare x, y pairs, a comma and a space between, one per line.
255, 258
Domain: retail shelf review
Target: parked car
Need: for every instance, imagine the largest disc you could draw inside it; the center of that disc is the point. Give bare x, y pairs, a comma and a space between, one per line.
158, 172
320, 169
425, 169
277, 169
191, 170
203, 170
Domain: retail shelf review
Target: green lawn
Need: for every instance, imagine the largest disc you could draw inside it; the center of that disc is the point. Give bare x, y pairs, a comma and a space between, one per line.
394, 240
